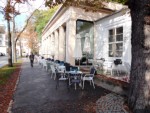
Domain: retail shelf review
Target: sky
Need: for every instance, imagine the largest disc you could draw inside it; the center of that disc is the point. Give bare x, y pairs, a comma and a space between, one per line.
25, 10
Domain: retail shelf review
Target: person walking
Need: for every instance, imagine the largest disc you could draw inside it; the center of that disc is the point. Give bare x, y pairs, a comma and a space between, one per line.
31, 57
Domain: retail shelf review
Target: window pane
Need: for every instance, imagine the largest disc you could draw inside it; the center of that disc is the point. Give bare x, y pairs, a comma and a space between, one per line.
119, 30
118, 54
114, 47
119, 37
111, 39
110, 47
119, 46
111, 32
82, 28
111, 54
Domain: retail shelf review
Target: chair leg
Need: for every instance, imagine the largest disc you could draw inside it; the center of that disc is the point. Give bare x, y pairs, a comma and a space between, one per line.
75, 85
54, 76
69, 82
68, 86
50, 72
93, 84
83, 84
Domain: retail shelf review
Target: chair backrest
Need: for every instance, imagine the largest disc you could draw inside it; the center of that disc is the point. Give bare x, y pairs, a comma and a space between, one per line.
61, 68
73, 68
92, 70
67, 65
117, 61
61, 63
108, 64
57, 61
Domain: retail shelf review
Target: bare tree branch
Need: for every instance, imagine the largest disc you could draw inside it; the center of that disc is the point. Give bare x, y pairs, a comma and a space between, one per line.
27, 21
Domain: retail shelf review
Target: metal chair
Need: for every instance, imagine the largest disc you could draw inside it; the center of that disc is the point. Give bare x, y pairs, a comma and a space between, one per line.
75, 78
53, 72
89, 77
61, 77
108, 66
61, 70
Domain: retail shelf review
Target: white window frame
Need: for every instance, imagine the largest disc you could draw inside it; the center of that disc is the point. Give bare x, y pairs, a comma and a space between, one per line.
115, 42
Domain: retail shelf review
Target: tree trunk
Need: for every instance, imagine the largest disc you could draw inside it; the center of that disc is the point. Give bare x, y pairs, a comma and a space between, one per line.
139, 94
15, 54
13, 40
15, 51
9, 45
20, 48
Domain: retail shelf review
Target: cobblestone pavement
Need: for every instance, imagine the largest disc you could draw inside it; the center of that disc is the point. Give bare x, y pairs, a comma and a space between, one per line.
111, 103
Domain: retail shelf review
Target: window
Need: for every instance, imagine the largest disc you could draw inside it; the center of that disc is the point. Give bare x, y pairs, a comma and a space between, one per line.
116, 42
82, 28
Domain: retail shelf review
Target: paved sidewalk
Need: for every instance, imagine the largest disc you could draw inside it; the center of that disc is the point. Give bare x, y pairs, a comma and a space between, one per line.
36, 93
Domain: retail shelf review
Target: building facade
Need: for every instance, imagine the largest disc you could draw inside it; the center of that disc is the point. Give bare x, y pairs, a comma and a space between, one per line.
3, 39
58, 39
113, 37
59, 35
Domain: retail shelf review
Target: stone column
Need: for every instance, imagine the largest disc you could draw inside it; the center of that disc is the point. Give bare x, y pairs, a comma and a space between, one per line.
43, 47
61, 43
42, 50
70, 41
46, 47
49, 48
52, 45
56, 45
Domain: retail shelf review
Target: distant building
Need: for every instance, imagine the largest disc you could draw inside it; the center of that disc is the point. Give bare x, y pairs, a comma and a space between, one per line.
22, 47
3, 39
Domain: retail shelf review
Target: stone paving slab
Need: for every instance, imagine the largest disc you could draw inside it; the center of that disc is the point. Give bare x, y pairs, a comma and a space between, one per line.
111, 103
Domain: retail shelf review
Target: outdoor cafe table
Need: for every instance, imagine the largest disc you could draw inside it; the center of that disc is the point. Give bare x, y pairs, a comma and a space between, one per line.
74, 77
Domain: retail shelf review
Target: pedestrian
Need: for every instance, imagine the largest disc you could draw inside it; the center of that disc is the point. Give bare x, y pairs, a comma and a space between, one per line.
31, 57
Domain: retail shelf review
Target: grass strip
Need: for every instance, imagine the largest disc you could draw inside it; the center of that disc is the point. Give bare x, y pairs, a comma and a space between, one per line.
6, 71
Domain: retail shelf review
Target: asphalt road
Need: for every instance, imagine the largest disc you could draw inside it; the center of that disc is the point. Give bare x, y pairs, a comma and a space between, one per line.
3, 60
